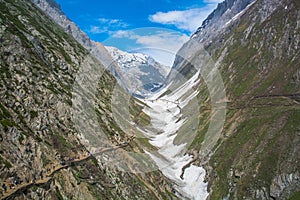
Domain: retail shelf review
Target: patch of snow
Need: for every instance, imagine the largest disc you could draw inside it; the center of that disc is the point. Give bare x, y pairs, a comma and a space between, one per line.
166, 120
143, 75
132, 60
239, 14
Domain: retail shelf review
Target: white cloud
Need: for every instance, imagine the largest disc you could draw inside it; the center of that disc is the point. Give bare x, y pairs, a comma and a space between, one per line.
168, 40
97, 29
107, 25
161, 45
113, 22
187, 20
123, 34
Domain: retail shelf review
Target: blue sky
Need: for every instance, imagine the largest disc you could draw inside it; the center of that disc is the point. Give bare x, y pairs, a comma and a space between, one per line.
139, 24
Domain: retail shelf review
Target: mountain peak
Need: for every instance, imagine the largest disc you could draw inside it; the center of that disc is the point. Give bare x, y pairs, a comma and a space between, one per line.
143, 73
224, 12
125, 59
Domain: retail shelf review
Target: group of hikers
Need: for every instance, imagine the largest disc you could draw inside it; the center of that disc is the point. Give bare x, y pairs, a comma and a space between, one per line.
17, 182
64, 162
6, 186
13, 183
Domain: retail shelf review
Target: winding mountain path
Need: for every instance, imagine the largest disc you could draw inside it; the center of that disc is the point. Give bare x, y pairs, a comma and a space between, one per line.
52, 169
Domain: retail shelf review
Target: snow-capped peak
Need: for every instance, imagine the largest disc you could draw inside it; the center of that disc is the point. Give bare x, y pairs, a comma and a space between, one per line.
125, 59
143, 72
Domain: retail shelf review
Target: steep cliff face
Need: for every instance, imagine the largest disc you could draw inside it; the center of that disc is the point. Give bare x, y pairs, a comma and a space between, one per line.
40, 145
54, 11
255, 48
212, 27
226, 11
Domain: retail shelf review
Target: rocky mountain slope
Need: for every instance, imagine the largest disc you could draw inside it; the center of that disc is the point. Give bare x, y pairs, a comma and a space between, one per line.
144, 73
225, 12
41, 152
254, 46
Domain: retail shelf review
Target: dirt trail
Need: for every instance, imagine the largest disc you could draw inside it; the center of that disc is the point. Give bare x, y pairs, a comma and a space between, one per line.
52, 169
44, 180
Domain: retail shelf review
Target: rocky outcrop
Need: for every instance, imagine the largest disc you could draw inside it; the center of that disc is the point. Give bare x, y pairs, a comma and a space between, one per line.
226, 11
284, 185
54, 11
211, 29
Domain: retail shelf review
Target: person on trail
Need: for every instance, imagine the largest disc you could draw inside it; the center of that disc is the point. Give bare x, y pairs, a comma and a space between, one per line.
34, 178
173, 190
18, 181
4, 187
